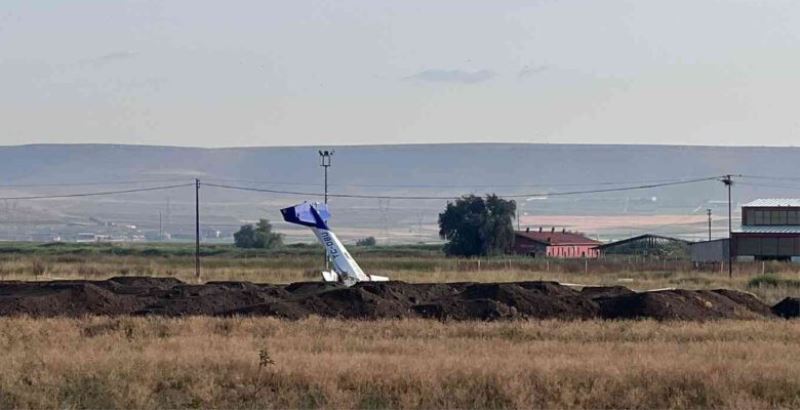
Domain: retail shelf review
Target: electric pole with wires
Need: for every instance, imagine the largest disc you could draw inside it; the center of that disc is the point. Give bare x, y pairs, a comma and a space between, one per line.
728, 182
197, 228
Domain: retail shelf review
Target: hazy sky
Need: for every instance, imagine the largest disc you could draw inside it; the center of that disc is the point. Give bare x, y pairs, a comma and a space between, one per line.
294, 72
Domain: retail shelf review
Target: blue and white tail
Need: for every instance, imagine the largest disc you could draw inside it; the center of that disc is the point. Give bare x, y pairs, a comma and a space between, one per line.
345, 268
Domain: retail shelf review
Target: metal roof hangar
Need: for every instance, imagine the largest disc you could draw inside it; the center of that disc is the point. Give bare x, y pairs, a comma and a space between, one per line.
646, 245
770, 231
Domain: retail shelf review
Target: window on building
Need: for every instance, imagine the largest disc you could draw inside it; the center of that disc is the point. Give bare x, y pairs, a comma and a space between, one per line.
749, 217
793, 217
759, 218
780, 217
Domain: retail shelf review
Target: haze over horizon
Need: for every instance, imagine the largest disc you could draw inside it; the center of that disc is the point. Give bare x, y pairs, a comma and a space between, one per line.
310, 73
391, 144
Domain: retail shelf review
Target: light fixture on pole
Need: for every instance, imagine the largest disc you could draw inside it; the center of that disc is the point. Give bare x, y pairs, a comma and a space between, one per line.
325, 162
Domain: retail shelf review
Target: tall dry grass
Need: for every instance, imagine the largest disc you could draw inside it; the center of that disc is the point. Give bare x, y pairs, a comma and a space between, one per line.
267, 363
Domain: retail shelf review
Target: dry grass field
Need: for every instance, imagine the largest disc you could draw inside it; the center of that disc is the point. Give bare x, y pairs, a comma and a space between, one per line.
201, 362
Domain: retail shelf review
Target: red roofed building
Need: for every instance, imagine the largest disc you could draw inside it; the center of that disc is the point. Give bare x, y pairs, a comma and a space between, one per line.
554, 244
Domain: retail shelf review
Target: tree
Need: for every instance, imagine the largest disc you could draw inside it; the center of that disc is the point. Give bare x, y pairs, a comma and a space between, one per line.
474, 226
368, 241
258, 236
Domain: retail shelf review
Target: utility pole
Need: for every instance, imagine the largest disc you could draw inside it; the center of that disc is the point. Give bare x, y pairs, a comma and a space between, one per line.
325, 162
197, 228
708, 211
728, 182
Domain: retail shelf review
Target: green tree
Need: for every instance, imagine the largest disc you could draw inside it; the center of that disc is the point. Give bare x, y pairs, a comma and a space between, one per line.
258, 236
474, 226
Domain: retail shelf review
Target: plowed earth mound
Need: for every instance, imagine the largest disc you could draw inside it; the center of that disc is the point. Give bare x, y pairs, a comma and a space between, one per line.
443, 301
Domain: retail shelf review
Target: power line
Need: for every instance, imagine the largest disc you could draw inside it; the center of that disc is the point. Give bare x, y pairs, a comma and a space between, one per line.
90, 183
102, 193
770, 177
565, 193
630, 188
359, 196
363, 196
432, 186
759, 185
440, 186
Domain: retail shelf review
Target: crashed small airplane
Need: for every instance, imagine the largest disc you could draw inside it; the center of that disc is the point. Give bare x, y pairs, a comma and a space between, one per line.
344, 268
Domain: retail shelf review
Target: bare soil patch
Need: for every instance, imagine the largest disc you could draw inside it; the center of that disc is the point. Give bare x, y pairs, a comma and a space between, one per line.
442, 301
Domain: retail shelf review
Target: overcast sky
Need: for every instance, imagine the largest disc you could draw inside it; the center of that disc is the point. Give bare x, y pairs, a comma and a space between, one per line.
242, 73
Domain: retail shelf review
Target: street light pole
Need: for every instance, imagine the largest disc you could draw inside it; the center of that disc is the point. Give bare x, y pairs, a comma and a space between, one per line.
325, 162
708, 211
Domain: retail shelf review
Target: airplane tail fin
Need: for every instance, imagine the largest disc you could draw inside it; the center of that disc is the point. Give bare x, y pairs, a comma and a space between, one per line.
305, 214
344, 267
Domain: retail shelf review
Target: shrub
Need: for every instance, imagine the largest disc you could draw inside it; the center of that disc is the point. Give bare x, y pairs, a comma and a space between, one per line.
38, 267
773, 281
368, 241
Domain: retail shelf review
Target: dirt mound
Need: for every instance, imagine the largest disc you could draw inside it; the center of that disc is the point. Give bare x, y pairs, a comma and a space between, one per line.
787, 308
377, 300
310, 288
355, 303
747, 300
682, 305
281, 309
540, 300
208, 299
142, 282
62, 299
466, 309
594, 292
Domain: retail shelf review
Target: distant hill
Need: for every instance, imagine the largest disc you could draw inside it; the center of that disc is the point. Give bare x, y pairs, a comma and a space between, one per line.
403, 170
